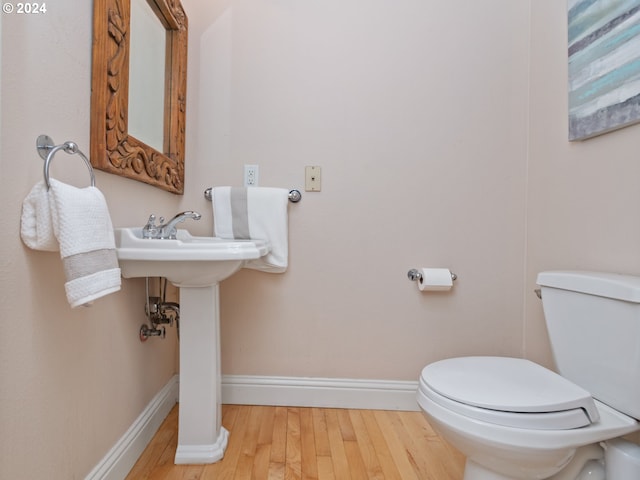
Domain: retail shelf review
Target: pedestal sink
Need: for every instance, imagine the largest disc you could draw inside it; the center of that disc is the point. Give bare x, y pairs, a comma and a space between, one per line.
196, 265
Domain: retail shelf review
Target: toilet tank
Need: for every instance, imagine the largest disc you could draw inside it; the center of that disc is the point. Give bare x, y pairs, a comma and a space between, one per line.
593, 321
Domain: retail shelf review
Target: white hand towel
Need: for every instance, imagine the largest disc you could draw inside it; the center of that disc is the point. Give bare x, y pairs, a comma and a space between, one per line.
36, 227
257, 213
83, 227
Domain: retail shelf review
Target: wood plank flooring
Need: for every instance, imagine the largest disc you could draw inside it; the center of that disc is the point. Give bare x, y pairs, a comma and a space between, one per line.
295, 443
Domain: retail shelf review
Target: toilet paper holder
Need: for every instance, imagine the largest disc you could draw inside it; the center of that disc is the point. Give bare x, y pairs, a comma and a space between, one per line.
415, 275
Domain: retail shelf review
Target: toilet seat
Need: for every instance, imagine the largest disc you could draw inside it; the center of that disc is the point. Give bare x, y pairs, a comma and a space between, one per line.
508, 391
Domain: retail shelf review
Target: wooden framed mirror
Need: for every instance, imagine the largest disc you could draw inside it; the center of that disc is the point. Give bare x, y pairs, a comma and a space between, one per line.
113, 148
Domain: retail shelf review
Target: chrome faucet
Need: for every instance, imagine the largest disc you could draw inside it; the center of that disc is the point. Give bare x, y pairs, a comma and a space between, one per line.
166, 231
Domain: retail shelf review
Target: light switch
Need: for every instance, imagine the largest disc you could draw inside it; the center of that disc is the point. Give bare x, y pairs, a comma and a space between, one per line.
312, 178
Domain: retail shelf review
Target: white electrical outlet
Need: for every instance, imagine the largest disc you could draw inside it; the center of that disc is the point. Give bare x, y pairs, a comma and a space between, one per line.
251, 175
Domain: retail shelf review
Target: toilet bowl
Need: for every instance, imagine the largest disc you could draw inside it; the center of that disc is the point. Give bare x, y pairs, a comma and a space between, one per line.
502, 444
516, 420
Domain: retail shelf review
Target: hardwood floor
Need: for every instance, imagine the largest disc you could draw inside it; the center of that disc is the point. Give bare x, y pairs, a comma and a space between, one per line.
290, 443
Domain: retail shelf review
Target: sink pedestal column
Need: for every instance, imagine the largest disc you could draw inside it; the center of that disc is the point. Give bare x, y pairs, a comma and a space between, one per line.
201, 436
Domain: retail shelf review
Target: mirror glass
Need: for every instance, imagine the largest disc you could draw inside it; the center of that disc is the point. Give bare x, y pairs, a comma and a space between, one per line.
139, 90
147, 47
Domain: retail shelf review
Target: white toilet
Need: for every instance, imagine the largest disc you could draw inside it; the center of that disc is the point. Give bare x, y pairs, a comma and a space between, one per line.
514, 419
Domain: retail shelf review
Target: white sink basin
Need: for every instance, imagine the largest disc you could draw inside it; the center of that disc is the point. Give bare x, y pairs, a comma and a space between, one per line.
196, 265
186, 261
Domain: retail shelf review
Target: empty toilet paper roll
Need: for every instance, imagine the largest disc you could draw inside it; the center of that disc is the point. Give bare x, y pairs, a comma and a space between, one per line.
435, 280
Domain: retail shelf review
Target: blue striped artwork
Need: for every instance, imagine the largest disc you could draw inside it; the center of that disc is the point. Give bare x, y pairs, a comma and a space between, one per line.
604, 66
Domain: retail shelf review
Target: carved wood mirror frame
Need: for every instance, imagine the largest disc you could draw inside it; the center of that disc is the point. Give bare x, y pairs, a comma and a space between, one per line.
112, 148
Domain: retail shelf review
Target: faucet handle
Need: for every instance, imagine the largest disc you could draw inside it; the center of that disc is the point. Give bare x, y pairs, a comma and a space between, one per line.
150, 230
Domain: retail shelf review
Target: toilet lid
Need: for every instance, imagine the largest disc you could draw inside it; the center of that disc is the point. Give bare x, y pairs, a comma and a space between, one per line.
512, 385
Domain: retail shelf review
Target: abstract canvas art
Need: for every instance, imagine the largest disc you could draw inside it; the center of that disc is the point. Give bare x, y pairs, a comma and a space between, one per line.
604, 66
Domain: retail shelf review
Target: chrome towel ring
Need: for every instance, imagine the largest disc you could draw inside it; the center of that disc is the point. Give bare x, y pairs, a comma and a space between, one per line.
47, 150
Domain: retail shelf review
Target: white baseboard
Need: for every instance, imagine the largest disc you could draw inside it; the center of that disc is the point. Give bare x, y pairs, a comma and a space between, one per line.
122, 457
320, 392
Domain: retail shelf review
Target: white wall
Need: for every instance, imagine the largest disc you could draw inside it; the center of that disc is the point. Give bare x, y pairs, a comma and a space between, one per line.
417, 113
73, 381
583, 196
